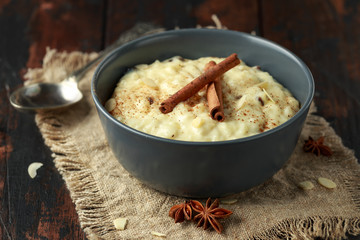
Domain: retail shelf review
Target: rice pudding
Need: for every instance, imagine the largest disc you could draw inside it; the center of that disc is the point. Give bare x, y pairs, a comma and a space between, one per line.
253, 101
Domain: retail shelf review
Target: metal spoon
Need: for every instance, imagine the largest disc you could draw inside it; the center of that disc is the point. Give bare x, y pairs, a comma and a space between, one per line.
49, 96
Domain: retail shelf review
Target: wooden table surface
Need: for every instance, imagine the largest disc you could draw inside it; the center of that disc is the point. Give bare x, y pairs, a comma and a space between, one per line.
323, 33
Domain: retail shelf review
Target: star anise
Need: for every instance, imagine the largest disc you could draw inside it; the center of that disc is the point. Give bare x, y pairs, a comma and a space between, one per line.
180, 212
317, 147
209, 214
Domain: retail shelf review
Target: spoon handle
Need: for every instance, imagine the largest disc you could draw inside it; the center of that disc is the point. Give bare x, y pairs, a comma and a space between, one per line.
78, 74
140, 29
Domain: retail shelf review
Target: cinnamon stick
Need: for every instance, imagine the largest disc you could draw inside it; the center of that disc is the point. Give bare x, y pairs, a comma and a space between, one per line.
198, 83
214, 96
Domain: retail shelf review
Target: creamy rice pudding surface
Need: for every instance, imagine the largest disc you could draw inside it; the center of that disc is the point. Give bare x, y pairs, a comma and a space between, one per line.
253, 101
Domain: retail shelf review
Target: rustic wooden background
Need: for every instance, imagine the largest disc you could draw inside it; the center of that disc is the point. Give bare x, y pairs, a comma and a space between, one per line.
324, 33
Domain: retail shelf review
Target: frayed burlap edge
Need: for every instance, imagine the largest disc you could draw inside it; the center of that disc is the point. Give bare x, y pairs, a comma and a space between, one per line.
318, 226
88, 202
95, 217
78, 177
313, 227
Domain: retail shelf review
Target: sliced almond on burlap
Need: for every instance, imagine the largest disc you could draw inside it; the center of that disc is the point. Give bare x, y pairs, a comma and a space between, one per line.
325, 182
306, 185
157, 234
120, 223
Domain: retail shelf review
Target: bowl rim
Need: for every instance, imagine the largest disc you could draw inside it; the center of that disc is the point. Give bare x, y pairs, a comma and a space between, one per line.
109, 57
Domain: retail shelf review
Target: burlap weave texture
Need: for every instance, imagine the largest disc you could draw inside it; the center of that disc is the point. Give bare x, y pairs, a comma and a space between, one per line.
103, 191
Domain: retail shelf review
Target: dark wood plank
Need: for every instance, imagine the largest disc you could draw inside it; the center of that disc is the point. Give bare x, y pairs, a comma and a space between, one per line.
39, 208
239, 15
65, 25
326, 35
122, 15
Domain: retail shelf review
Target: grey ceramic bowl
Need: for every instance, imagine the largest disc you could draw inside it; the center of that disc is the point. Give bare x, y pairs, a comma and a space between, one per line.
203, 169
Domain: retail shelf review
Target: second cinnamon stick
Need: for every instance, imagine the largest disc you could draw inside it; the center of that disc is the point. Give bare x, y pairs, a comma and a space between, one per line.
214, 96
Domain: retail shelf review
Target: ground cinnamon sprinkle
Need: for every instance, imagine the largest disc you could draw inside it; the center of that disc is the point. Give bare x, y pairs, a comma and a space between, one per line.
214, 96
198, 83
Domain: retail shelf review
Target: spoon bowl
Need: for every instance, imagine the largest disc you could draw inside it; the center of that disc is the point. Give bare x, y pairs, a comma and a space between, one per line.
46, 96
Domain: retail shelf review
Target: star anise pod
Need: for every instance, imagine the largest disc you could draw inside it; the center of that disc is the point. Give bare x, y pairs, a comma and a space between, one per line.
180, 212
317, 147
209, 214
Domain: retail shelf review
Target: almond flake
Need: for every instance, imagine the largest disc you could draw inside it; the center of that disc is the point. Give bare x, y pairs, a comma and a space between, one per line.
110, 104
262, 85
149, 82
268, 95
325, 182
306, 185
33, 167
197, 122
217, 22
120, 223
158, 234
241, 102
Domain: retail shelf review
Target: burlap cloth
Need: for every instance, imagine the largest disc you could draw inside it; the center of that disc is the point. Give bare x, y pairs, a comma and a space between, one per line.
103, 191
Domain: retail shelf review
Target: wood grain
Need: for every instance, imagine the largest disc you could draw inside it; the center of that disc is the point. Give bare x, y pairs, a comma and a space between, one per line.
325, 34
64, 25
39, 208
239, 15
